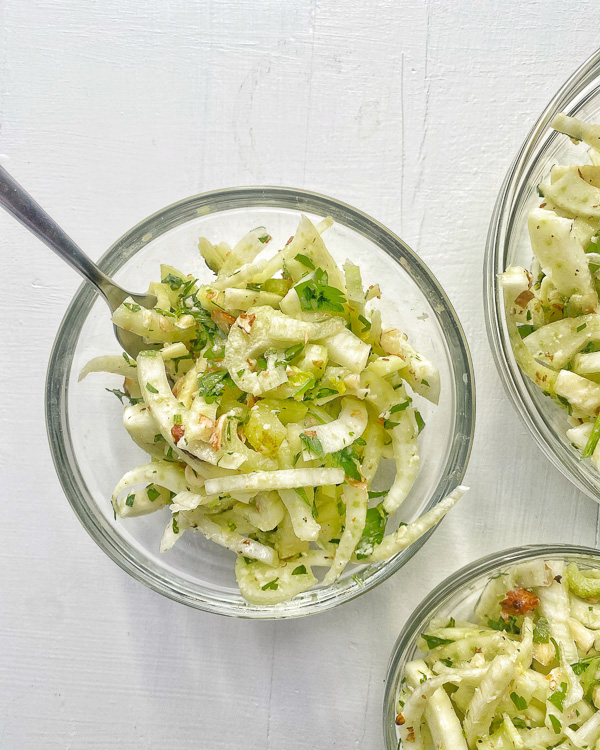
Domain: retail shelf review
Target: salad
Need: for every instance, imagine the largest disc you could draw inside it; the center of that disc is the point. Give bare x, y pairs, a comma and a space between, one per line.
525, 673
266, 401
552, 309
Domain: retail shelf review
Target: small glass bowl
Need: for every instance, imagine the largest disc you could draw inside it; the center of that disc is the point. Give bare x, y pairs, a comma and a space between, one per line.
457, 597
91, 450
508, 244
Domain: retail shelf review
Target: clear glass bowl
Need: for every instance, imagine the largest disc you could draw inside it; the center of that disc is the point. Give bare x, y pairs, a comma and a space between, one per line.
508, 244
91, 450
457, 597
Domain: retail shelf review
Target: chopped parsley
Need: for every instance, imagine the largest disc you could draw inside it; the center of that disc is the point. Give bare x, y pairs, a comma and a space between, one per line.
366, 323
558, 698
519, 701
525, 330
212, 385
132, 306
273, 585
305, 260
130, 500
152, 492
299, 571
316, 294
346, 459
556, 725
373, 532
175, 282
581, 327
312, 443
121, 395
151, 388
433, 641
541, 631
509, 625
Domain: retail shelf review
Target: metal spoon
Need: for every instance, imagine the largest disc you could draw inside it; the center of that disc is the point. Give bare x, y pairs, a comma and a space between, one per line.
21, 205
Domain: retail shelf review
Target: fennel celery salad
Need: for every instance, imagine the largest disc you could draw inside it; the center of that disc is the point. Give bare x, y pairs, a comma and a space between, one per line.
267, 409
525, 674
552, 311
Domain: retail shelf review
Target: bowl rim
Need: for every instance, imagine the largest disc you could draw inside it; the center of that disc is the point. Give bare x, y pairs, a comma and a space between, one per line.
572, 94
119, 253
450, 586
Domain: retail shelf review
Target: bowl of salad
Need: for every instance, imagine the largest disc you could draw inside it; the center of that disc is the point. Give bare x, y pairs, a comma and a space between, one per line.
301, 418
505, 653
542, 280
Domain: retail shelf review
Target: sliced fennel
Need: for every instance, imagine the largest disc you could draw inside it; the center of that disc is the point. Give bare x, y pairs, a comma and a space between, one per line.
267, 411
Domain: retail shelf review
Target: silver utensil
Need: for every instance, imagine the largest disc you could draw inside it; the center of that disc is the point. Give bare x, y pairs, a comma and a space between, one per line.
21, 205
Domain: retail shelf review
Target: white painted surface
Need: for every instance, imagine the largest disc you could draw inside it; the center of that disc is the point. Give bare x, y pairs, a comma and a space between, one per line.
112, 110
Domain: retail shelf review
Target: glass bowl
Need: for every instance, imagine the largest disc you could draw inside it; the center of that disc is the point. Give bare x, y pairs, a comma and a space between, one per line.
508, 244
91, 450
457, 597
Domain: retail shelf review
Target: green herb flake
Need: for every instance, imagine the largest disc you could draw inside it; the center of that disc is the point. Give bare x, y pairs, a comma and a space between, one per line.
130, 500
132, 306
558, 698
373, 532
212, 385
264, 238
400, 407
121, 395
312, 443
272, 585
556, 725
302, 492
316, 294
509, 625
292, 352
152, 492
519, 701
433, 641
175, 525
525, 330
541, 631
299, 571
177, 418
447, 662
175, 282
346, 459
151, 388
420, 421
366, 323
158, 438
581, 327
305, 260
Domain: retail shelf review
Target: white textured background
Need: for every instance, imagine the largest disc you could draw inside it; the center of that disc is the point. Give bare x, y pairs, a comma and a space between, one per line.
109, 110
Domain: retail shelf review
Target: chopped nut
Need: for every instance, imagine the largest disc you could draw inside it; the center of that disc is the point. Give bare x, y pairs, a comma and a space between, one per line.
177, 432
245, 322
519, 602
400, 720
222, 319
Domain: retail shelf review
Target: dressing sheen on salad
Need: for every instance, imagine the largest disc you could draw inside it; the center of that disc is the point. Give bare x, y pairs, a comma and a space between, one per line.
525, 673
266, 405
552, 310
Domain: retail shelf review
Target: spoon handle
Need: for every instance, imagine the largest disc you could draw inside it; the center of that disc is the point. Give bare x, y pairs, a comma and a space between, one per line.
22, 206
